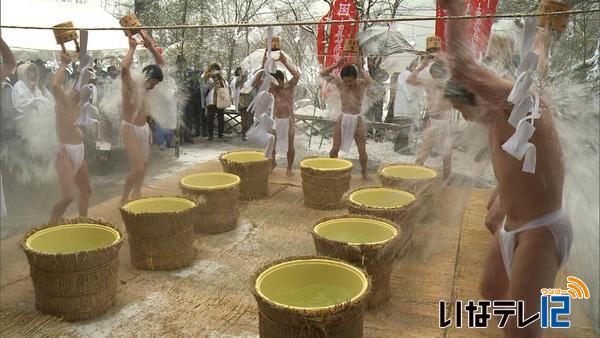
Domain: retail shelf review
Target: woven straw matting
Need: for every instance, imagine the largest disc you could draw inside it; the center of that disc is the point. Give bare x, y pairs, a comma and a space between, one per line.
401, 215
276, 321
74, 286
254, 176
324, 189
221, 211
377, 259
162, 241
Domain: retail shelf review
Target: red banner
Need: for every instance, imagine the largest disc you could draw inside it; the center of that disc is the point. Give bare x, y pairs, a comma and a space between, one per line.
339, 32
478, 29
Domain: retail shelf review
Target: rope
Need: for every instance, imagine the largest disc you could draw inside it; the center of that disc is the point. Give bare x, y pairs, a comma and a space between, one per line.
305, 23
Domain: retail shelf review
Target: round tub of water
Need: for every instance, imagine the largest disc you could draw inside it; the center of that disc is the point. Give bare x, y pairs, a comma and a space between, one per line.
393, 204
74, 267
324, 181
413, 178
252, 167
364, 241
221, 192
300, 296
160, 232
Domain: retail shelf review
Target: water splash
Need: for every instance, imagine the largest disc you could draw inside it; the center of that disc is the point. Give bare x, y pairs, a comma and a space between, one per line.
165, 102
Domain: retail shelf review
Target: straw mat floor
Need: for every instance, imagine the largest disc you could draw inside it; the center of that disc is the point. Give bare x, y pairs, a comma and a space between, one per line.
212, 298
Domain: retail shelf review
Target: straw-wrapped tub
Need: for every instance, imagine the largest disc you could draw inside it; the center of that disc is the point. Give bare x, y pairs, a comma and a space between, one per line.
221, 191
392, 204
324, 181
74, 265
311, 297
416, 179
252, 167
160, 232
365, 241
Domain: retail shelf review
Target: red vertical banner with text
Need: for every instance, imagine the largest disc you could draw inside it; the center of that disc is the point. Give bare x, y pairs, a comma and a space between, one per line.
339, 32
478, 29
440, 25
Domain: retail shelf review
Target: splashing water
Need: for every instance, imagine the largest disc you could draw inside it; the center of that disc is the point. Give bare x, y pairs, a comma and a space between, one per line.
29, 146
577, 123
164, 103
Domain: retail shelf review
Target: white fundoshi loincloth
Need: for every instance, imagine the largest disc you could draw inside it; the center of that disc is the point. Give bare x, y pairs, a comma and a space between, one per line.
282, 132
349, 123
76, 154
142, 134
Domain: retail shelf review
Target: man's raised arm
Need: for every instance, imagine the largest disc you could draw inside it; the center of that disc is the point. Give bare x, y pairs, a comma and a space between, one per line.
413, 78
10, 63
158, 58
60, 96
126, 66
463, 65
293, 70
326, 72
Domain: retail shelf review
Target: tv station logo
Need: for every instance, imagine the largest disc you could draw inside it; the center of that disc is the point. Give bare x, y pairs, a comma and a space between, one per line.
555, 308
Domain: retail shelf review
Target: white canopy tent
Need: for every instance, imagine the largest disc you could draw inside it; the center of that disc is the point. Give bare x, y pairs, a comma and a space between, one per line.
33, 43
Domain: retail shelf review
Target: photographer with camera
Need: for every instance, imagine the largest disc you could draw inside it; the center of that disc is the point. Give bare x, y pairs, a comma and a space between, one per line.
216, 98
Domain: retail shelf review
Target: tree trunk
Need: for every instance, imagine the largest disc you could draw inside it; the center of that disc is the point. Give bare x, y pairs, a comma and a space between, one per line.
231, 55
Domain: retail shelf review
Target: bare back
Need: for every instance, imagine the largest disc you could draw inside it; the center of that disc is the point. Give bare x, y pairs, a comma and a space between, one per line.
526, 196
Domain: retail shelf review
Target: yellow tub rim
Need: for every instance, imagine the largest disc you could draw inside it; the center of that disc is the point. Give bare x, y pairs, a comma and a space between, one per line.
244, 156
395, 171
409, 198
112, 235
231, 180
391, 230
177, 204
327, 164
286, 264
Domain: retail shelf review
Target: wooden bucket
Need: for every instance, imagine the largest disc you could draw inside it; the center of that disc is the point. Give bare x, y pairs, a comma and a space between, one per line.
74, 266
433, 44
275, 43
63, 36
130, 21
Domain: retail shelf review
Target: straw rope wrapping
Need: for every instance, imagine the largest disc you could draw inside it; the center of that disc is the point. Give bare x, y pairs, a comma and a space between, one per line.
423, 188
162, 241
377, 259
345, 320
324, 189
402, 216
254, 175
74, 286
221, 211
